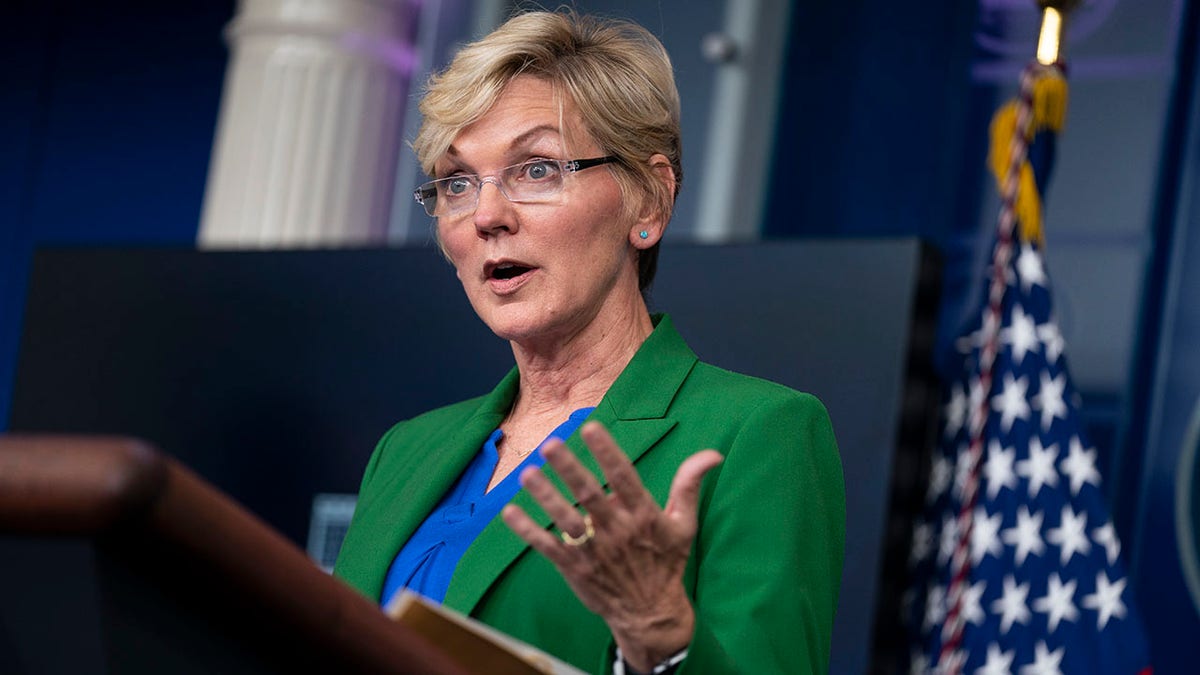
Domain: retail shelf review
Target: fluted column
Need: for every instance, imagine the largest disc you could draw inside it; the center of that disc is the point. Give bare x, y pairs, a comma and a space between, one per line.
308, 132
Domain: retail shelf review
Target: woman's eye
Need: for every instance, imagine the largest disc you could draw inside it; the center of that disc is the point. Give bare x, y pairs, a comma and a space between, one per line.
540, 170
457, 186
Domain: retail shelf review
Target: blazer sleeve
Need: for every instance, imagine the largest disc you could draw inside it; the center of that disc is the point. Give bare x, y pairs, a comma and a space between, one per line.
342, 567
769, 549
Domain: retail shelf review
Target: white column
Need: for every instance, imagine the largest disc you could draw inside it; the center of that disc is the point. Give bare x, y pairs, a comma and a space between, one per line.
308, 132
733, 182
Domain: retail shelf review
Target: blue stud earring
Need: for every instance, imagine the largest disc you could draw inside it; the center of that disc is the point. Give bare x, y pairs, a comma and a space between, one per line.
643, 234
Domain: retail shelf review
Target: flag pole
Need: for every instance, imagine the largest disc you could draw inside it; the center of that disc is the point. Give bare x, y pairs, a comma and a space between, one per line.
1016, 206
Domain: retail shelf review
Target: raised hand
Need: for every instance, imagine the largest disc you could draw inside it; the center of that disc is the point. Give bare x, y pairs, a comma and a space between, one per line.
623, 556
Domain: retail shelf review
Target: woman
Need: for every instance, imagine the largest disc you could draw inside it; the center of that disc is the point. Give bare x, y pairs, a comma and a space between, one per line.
554, 143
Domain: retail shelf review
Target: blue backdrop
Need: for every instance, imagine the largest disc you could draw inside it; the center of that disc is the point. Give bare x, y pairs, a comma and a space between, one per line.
107, 121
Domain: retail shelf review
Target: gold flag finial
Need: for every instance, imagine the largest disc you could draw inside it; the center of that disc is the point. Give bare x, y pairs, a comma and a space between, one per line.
1054, 24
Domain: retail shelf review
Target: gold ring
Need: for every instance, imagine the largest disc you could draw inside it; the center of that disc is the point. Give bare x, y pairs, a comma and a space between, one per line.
589, 531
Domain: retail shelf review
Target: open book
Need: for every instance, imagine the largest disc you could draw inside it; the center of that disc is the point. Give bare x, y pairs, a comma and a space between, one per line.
478, 647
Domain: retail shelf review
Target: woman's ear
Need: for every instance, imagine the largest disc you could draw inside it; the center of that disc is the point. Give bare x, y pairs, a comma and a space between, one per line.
652, 220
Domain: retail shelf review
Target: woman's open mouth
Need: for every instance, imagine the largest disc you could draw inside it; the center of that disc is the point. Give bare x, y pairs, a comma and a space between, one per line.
507, 276
506, 271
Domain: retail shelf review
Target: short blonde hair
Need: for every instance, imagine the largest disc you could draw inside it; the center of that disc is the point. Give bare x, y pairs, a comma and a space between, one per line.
616, 73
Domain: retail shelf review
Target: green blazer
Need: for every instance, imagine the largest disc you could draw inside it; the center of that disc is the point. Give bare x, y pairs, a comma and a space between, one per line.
767, 559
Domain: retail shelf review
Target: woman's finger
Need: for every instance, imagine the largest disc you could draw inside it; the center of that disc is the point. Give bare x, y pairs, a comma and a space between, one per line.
531, 533
565, 516
685, 487
618, 470
583, 485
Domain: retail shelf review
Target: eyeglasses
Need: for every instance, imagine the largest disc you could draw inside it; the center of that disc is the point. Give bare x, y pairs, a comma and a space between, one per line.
532, 181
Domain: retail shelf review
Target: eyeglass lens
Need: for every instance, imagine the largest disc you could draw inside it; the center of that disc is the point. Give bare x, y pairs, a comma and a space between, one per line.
531, 181
524, 182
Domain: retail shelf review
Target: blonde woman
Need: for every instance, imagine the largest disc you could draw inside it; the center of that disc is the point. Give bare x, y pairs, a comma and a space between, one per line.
613, 500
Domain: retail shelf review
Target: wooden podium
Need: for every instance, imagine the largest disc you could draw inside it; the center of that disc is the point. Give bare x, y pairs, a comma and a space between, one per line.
186, 581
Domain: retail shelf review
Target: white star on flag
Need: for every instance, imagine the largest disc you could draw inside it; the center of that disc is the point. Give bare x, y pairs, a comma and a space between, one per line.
1052, 341
1069, 536
1080, 466
998, 662
1039, 468
1011, 403
1045, 662
1106, 600
1030, 268
998, 469
1106, 536
983, 535
1011, 604
972, 607
1022, 335
1049, 399
1026, 535
1058, 603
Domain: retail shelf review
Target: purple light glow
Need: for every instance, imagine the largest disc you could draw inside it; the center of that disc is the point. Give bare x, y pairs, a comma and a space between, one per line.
402, 58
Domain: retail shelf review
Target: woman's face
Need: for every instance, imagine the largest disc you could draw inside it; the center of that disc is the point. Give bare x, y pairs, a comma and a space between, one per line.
545, 271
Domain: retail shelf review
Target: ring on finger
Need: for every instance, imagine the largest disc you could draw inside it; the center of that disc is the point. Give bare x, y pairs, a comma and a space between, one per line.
589, 531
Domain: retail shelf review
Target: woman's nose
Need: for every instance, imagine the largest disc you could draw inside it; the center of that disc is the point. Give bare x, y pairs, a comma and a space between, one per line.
493, 211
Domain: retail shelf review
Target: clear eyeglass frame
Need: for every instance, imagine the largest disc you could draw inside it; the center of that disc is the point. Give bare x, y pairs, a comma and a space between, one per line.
521, 183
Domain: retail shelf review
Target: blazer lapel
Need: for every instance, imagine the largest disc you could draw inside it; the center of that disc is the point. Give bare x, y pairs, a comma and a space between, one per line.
416, 486
633, 410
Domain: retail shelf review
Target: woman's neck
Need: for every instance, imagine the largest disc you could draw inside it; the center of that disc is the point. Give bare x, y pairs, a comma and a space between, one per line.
576, 372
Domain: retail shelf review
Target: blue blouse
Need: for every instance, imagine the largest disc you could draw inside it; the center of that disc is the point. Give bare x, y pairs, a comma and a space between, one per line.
427, 561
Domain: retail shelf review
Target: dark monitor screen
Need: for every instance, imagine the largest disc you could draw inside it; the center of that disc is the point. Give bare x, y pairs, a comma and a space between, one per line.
272, 374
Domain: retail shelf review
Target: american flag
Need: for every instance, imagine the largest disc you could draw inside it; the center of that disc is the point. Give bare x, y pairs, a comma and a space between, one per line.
1016, 564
